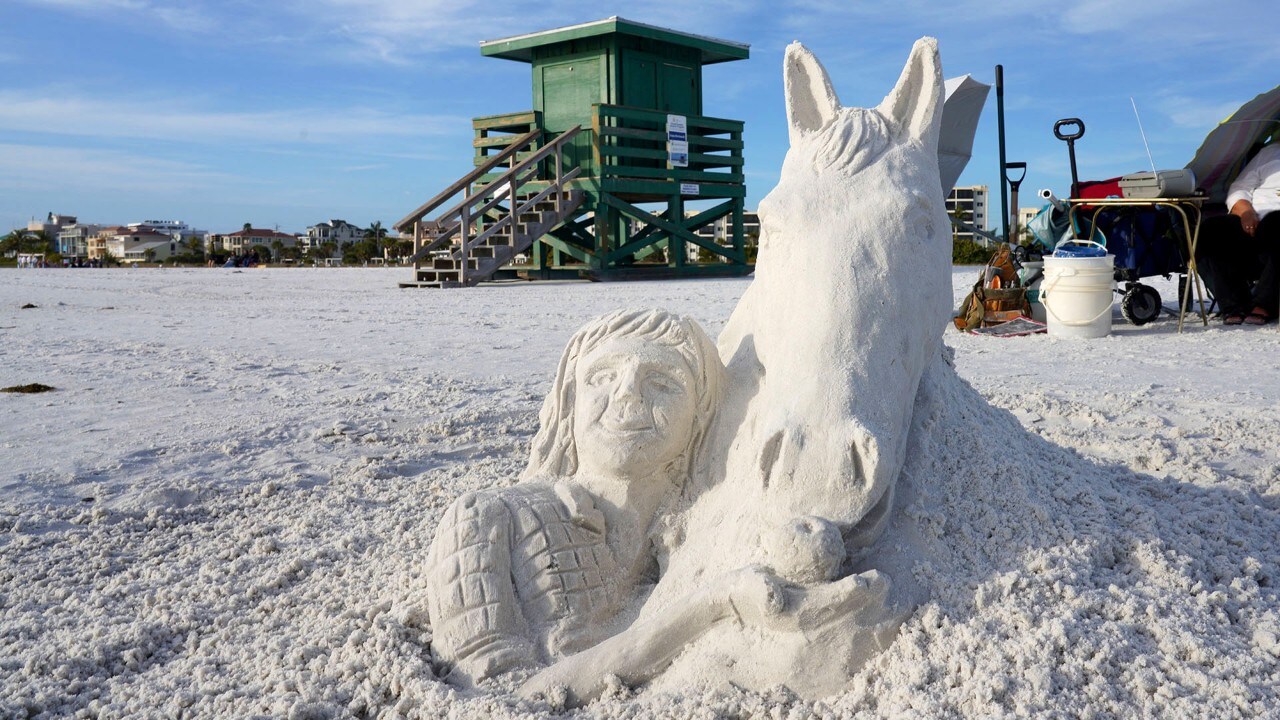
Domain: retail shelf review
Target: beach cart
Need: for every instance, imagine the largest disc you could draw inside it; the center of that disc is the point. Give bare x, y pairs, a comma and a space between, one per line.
1148, 221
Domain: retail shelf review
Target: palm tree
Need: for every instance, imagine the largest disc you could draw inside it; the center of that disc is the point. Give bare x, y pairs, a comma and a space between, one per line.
37, 241
276, 248
375, 233
12, 243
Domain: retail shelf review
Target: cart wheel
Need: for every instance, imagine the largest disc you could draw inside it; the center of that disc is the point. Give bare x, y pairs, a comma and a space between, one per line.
1141, 304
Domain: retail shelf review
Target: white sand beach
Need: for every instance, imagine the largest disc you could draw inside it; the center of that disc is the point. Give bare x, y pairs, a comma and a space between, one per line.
223, 509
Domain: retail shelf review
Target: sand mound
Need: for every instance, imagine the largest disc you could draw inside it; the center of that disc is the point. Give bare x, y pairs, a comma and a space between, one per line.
1058, 584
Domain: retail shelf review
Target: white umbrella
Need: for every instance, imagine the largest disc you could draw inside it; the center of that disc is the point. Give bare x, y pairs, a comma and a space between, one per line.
1227, 147
960, 112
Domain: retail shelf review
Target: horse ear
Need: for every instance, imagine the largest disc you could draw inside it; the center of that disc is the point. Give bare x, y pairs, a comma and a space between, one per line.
915, 103
811, 101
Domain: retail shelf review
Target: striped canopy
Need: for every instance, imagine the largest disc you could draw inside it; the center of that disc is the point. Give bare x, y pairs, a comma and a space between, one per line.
1230, 145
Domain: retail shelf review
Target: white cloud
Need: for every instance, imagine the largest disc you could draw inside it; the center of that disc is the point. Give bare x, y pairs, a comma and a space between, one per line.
1192, 113
93, 117
396, 30
43, 168
184, 16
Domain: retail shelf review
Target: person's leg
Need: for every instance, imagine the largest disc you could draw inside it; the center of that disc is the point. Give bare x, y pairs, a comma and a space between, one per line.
1224, 261
1266, 293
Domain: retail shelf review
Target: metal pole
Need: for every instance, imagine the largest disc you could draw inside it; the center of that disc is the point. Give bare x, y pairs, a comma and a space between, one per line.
417, 245
463, 227
1004, 188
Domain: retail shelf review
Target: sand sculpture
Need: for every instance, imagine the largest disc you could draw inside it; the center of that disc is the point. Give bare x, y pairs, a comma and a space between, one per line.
754, 503
523, 576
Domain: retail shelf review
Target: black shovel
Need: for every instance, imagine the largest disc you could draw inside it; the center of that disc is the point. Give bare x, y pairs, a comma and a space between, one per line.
1070, 139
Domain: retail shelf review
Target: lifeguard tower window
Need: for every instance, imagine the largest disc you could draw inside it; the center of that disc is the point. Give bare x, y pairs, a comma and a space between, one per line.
649, 81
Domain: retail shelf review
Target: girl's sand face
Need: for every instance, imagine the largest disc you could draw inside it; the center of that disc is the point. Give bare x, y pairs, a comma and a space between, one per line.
635, 407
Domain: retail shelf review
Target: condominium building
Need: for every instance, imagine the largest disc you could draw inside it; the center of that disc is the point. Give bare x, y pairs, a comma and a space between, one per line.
338, 232
52, 226
243, 242
970, 206
176, 229
73, 240
138, 245
720, 231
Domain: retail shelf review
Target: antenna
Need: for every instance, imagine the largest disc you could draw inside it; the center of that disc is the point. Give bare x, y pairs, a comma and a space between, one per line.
1144, 135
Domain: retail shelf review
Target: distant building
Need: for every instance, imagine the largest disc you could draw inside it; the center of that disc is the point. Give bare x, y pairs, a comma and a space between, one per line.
130, 245
1024, 216
96, 247
970, 206
73, 240
52, 226
244, 242
52, 223
720, 232
176, 229
338, 232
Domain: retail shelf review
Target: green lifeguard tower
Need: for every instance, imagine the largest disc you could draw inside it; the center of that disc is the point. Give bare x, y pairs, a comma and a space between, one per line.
594, 180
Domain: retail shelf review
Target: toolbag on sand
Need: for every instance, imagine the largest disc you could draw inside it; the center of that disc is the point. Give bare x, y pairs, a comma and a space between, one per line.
997, 296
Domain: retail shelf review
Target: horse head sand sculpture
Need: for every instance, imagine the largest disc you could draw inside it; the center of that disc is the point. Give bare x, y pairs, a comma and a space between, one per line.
824, 354
826, 348
851, 289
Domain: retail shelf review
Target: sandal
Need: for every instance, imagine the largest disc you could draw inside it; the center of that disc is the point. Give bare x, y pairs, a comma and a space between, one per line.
1257, 318
1233, 319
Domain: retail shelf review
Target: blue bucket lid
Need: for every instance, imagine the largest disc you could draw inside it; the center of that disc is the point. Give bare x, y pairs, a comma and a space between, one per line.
1092, 250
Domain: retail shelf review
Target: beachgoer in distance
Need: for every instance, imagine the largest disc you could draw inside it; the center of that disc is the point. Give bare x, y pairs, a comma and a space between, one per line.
1240, 254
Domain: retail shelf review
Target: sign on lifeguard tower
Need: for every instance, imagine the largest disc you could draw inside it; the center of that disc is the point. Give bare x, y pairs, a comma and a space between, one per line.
678, 140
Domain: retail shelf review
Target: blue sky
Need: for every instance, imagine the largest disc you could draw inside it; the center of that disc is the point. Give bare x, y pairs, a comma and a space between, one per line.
288, 112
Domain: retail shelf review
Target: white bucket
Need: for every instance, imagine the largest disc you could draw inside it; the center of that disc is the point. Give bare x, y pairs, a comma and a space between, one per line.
1077, 295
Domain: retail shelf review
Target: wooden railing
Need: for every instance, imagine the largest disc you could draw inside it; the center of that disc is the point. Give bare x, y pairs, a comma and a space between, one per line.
487, 198
493, 133
632, 143
465, 181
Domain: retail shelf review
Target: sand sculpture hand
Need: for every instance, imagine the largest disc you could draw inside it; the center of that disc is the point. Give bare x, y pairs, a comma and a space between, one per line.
751, 595
858, 598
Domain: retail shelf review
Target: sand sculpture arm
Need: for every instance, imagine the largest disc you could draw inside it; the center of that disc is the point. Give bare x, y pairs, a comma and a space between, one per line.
477, 628
751, 597
644, 650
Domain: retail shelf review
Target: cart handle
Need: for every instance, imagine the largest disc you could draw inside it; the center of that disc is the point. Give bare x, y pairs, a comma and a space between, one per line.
1066, 122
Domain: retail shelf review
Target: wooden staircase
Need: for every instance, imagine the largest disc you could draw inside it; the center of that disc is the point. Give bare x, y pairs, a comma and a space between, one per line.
498, 217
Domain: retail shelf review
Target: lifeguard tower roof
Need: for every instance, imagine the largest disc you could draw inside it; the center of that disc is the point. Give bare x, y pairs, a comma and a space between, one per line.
520, 47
